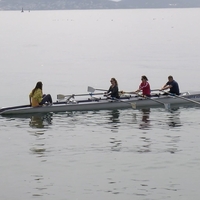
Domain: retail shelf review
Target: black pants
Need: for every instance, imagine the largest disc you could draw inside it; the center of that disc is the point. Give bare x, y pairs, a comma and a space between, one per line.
46, 98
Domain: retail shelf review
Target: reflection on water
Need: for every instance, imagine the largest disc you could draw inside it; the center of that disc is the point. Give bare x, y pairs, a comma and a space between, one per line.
173, 137
114, 116
114, 120
40, 124
40, 121
116, 144
145, 146
174, 117
145, 118
38, 149
40, 187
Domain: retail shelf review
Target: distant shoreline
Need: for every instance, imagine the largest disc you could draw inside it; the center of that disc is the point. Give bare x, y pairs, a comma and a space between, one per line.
96, 4
35, 9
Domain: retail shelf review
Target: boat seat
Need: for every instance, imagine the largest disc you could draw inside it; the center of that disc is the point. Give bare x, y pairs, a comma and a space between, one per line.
125, 96
155, 94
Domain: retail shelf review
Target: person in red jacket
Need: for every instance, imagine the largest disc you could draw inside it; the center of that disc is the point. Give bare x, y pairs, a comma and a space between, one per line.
144, 87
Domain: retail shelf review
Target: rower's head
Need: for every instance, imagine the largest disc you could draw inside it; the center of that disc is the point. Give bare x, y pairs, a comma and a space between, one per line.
38, 85
144, 78
170, 78
113, 81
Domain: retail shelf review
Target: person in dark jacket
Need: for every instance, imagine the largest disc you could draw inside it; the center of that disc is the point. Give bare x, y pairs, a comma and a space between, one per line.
113, 91
172, 85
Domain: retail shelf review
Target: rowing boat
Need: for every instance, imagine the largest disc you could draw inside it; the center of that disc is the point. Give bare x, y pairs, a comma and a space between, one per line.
104, 103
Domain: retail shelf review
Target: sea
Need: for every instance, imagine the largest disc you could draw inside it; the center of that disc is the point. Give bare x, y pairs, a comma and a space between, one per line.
140, 154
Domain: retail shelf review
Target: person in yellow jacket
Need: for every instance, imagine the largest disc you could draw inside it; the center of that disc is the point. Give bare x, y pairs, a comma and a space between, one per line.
37, 98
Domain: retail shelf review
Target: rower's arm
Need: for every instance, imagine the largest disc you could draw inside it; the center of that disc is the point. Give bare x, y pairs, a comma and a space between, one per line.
166, 87
138, 90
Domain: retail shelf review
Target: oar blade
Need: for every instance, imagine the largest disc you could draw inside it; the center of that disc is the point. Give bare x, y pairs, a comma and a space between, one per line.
90, 89
133, 105
167, 106
60, 96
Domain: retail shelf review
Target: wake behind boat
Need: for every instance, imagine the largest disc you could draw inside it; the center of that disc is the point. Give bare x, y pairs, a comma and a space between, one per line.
69, 103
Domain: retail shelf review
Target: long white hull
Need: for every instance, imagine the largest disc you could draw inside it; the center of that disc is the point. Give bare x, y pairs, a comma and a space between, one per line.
105, 104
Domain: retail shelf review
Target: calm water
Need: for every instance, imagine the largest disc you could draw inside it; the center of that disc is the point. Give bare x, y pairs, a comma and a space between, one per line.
150, 154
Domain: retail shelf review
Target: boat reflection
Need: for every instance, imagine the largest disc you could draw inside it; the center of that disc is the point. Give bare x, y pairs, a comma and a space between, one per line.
37, 120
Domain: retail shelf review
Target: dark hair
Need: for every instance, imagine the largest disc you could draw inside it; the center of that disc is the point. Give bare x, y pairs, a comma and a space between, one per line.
170, 77
113, 79
145, 78
38, 86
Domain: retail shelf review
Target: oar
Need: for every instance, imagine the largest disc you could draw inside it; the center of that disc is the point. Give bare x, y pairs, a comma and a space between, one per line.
137, 93
62, 96
186, 99
91, 89
167, 106
155, 90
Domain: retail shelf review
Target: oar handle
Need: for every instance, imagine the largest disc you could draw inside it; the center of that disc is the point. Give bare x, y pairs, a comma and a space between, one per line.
123, 92
156, 90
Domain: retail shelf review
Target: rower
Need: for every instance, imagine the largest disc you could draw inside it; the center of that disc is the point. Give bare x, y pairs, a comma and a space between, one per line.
144, 87
37, 98
172, 85
113, 89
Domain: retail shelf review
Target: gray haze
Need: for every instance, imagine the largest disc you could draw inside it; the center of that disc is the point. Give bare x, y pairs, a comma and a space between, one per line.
94, 4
